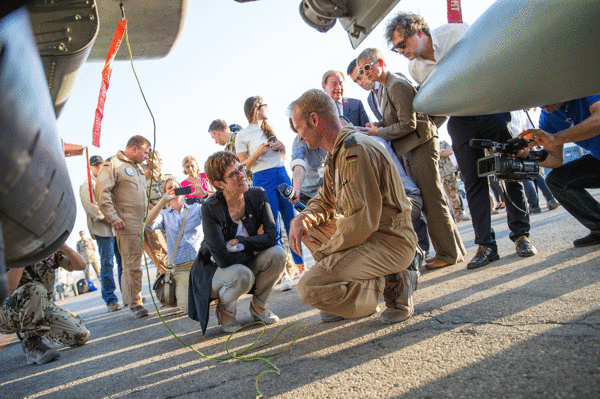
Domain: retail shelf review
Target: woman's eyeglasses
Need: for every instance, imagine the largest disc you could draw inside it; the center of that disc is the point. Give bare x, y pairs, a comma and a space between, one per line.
240, 171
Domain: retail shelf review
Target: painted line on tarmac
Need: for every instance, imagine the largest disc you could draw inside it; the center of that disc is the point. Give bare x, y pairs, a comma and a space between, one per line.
6, 339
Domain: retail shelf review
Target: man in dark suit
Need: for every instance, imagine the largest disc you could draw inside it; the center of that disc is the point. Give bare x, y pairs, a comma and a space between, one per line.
414, 138
351, 108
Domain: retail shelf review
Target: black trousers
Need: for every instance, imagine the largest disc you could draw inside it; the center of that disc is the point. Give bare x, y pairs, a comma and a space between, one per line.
493, 127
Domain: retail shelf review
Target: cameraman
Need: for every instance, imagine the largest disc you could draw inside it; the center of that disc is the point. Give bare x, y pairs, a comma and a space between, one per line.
576, 121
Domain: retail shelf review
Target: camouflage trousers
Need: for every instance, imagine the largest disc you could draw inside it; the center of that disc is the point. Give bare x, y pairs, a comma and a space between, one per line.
94, 265
451, 187
29, 311
155, 246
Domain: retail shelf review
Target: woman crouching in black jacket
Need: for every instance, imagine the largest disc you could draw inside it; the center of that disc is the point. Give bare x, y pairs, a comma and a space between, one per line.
239, 253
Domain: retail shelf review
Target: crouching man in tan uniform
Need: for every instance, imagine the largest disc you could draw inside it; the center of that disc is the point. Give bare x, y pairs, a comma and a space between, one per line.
358, 227
122, 197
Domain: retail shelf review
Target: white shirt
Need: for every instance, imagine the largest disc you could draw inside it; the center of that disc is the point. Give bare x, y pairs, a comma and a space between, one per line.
248, 140
442, 39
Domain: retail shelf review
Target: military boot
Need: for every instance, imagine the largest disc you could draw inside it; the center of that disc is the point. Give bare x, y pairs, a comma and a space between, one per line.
397, 294
37, 351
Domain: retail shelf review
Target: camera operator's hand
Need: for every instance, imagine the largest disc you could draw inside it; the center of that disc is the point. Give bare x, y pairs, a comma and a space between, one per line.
522, 154
539, 137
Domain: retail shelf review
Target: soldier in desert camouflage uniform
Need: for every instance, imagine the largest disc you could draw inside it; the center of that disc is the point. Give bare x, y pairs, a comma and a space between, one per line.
155, 244
30, 310
448, 177
86, 248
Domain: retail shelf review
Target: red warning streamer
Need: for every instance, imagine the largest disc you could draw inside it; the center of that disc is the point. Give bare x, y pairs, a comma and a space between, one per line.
87, 162
106, 73
454, 12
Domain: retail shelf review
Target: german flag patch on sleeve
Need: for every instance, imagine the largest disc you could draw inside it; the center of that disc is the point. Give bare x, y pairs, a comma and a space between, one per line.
351, 158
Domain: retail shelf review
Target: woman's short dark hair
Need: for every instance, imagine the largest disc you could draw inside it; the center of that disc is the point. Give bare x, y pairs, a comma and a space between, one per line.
217, 164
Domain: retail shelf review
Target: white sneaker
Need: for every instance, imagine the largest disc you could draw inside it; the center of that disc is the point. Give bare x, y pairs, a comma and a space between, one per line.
286, 284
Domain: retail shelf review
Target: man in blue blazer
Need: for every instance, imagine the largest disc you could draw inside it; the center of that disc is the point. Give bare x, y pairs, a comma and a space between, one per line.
351, 108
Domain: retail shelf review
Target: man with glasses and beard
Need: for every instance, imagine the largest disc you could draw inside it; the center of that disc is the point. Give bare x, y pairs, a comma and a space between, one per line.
409, 35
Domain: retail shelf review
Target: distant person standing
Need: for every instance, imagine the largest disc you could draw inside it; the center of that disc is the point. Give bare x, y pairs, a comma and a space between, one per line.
222, 134
225, 136
86, 248
448, 176
351, 108
259, 149
201, 188
104, 235
122, 198
155, 243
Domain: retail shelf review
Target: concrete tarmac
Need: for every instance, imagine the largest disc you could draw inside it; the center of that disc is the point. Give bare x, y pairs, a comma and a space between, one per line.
517, 328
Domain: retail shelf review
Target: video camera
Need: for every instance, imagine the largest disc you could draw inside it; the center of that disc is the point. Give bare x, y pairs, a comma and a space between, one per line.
502, 165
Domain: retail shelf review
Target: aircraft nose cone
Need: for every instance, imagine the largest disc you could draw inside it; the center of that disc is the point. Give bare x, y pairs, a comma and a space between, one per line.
518, 54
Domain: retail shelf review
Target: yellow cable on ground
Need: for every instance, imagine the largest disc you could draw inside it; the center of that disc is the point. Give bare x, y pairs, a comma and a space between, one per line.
234, 355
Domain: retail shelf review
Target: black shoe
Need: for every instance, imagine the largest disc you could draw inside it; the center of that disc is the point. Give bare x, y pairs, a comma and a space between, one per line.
524, 247
535, 210
590, 239
484, 256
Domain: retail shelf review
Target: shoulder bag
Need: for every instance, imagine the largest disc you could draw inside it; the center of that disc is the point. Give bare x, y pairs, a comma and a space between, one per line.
164, 286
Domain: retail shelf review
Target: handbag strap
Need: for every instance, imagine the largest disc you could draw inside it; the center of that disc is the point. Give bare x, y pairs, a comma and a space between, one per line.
187, 211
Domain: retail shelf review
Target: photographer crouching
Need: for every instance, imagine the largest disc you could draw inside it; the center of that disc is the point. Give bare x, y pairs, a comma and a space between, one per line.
576, 121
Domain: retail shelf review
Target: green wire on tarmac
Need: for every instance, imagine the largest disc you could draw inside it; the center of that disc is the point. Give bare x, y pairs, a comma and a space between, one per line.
234, 355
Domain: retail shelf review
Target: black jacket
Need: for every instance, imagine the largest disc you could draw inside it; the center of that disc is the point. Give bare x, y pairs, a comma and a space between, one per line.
218, 229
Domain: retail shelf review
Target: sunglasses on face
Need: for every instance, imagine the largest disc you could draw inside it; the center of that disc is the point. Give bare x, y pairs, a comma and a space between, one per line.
240, 171
400, 46
262, 105
367, 67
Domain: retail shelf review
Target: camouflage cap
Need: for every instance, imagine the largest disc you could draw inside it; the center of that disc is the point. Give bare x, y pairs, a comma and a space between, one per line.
96, 159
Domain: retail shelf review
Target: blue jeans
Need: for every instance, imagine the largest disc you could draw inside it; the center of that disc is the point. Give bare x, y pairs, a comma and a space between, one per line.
270, 179
533, 201
532, 192
568, 184
107, 247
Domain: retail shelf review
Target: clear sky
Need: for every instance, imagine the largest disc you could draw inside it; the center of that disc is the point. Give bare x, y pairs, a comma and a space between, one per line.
226, 52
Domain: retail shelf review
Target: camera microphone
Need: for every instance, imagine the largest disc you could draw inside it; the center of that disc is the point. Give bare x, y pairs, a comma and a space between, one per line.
287, 192
481, 143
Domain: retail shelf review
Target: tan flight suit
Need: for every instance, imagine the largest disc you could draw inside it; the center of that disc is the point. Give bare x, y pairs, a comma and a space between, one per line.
31, 311
372, 237
121, 193
155, 243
